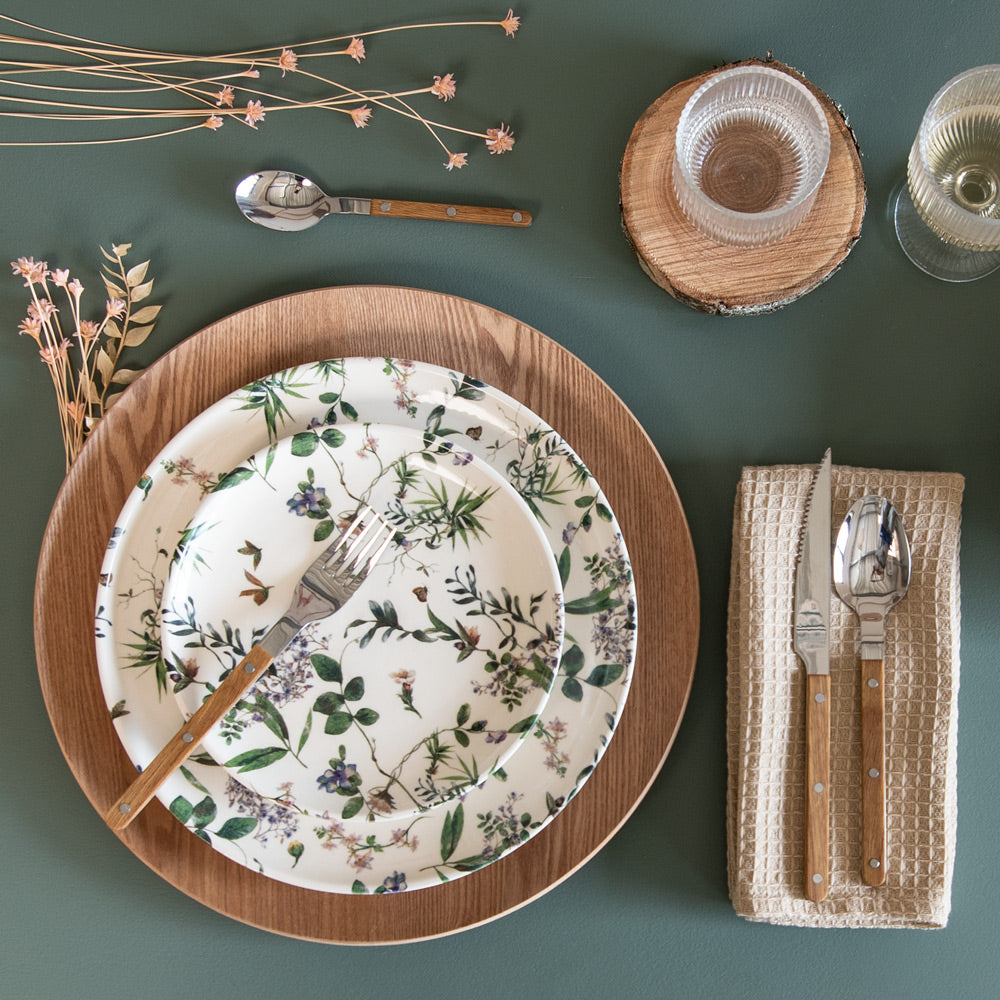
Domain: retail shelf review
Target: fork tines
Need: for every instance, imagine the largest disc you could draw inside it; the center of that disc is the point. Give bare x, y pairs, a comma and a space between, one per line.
368, 546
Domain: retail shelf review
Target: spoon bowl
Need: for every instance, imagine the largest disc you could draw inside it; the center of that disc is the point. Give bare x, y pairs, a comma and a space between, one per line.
871, 573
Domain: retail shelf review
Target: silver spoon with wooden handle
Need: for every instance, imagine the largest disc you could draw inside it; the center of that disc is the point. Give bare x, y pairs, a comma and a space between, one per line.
282, 200
871, 572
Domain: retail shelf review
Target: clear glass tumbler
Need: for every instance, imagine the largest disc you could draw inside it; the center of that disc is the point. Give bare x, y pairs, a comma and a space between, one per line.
752, 147
947, 215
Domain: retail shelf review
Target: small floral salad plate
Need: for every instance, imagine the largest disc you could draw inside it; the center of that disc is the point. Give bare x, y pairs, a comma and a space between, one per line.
426, 682
453, 707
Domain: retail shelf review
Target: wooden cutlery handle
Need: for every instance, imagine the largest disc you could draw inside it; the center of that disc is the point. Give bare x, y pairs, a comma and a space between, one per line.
392, 208
180, 745
873, 771
817, 865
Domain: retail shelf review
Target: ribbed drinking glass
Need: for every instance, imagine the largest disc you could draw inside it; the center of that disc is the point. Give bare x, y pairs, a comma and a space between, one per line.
947, 216
752, 147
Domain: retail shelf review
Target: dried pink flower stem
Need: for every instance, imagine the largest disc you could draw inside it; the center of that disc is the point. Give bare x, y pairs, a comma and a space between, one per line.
88, 381
155, 73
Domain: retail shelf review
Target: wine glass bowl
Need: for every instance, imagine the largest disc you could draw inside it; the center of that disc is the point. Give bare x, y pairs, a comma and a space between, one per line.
751, 149
947, 217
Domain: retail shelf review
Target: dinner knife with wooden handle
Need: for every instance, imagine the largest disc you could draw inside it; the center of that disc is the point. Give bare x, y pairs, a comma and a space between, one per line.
811, 639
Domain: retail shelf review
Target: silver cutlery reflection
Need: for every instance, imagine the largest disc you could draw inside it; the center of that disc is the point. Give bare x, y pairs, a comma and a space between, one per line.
325, 587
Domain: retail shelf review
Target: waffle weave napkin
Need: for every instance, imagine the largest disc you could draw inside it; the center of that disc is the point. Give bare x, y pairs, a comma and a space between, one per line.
765, 710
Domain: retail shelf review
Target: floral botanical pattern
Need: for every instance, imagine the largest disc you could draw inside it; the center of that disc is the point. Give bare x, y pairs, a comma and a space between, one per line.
467, 597
350, 845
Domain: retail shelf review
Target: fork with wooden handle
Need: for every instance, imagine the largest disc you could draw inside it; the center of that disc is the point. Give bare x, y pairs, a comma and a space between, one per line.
325, 587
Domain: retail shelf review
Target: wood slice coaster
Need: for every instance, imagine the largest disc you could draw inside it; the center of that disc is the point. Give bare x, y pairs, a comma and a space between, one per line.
709, 276
371, 321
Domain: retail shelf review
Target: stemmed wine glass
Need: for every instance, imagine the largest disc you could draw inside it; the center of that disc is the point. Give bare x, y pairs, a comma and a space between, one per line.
947, 213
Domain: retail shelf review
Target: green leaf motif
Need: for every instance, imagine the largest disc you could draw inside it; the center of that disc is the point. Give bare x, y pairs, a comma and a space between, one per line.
327, 668
524, 725
323, 531
254, 760
352, 807
572, 661
304, 443
234, 478
572, 689
181, 808
451, 832
605, 674
204, 812
601, 600
236, 827
366, 716
358, 888
328, 703
354, 690
333, 437
337, 723
272, 718
564, 565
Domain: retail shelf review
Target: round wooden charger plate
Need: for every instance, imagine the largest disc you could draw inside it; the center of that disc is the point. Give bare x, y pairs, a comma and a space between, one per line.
721, 279
371, 321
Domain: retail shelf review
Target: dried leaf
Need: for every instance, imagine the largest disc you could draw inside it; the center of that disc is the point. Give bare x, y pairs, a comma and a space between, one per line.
105, 365
110, 256
111, 400
115, 290
126, 376
121, 249
146, 314
137, 335
112, 330
142, 291
136, 274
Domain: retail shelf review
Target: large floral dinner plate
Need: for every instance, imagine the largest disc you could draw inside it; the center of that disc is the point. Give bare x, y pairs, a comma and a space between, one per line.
334, 852
427, 680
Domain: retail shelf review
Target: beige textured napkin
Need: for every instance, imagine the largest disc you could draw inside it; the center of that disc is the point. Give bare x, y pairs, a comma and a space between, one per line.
765, 694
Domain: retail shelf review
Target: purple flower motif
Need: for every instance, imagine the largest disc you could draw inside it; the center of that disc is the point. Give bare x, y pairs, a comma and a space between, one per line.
462, 458
569, 533
339, 776
396, 882
310, 499
496, 736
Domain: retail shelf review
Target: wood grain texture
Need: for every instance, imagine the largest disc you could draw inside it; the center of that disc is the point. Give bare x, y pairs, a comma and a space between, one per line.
735, 280
372, 321
873, 772
392, 208
817, 863
177, 749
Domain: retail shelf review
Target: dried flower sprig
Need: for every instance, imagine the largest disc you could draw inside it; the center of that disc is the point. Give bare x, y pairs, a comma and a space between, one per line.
121, 84
82, 355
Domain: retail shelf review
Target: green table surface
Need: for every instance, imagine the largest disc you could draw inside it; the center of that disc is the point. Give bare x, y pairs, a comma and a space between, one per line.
885, 365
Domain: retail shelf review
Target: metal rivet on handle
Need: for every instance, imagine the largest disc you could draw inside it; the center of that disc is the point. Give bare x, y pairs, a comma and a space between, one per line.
874, 863
819, 788
873, 772
517, 217
451, 210
187, 738
817, 878
820, 697
386, 206
872, 682
124, 808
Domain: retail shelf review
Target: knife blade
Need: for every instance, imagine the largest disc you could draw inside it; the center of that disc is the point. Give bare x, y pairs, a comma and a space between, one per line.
811, 640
